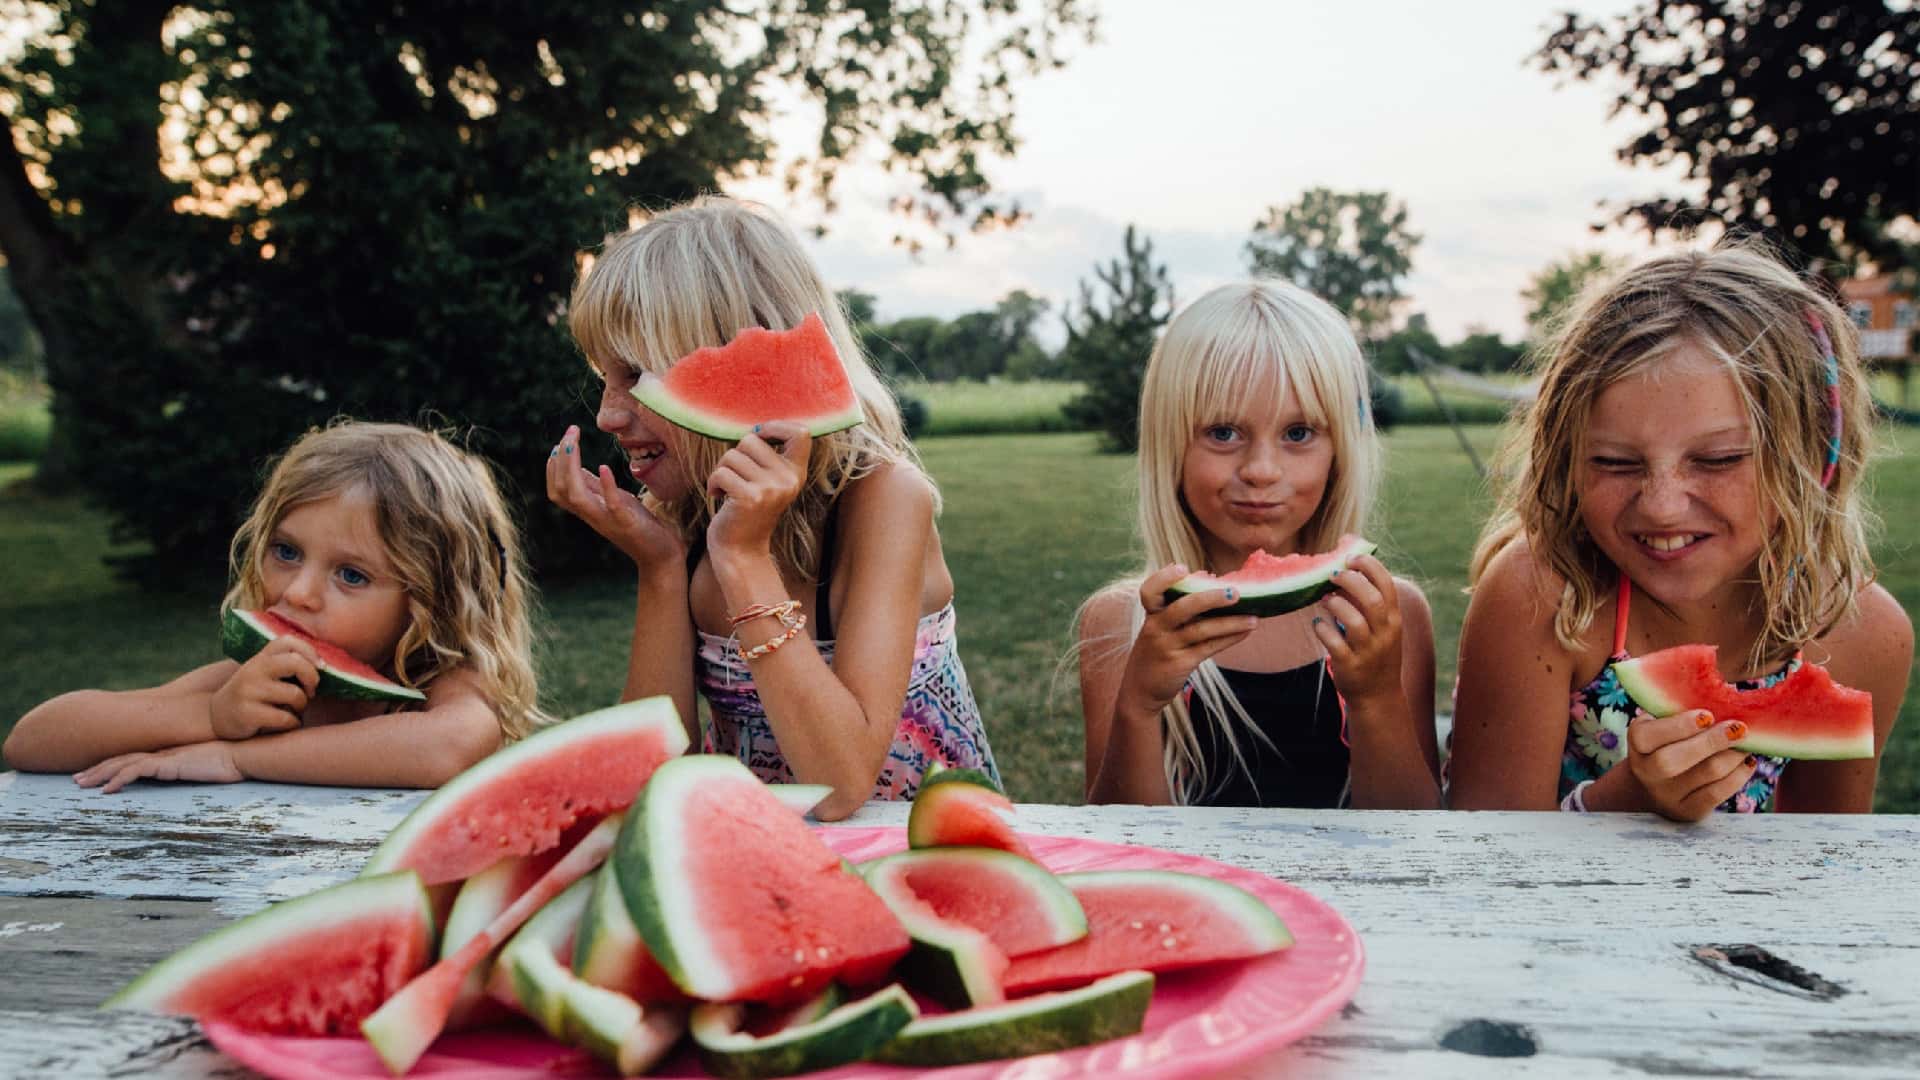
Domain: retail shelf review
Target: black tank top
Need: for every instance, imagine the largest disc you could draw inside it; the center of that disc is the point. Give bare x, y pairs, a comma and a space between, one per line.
1308, 762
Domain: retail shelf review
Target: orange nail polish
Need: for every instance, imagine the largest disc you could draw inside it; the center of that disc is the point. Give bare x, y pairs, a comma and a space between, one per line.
1736, 731
1703, 721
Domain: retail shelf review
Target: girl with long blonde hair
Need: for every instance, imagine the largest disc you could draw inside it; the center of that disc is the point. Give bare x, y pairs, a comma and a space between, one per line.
797, 583
1255, 434
384, 540
1694, 456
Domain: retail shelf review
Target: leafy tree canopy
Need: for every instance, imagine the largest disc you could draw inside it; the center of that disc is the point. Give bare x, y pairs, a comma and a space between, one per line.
1110, 337
1555, 286
1350, 248
1797, 117
374, 207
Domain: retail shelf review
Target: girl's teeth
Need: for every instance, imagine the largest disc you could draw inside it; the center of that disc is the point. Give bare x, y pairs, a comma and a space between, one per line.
1668, 543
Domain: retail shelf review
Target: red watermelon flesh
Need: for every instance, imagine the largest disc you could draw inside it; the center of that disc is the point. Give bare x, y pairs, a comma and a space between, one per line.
737, 898
1018, 904
1805, 715
521, 799
243, 633
961, 808
760, 375
1152, 920
314, 965
1275, 584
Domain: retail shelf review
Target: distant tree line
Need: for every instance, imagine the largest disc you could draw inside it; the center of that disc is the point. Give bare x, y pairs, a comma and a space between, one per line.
1000, 342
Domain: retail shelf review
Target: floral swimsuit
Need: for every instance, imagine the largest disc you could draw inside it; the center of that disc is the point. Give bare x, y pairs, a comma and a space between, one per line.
1602, 709
940, 721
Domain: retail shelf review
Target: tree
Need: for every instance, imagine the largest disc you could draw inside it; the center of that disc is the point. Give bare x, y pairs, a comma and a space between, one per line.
1550, 291
1391, 355
1483, 351
1802, 119
1016, 315
1350, 248
366, 207
1111, 337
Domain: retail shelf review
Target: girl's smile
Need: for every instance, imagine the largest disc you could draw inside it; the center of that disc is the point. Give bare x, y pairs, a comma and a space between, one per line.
1668, 487
327, 572
642, 434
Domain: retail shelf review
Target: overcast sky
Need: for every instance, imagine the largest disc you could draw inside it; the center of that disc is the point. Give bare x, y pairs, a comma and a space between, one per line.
1190, 119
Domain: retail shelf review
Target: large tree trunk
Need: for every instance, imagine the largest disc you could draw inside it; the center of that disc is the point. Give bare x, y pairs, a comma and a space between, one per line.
119, 65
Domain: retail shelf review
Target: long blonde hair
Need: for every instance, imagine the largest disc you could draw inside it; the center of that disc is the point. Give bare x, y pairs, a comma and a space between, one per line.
452, 543
1742, 307
694, 276
1230, 343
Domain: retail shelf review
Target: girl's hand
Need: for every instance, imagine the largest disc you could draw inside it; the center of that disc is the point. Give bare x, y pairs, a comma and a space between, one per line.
268, 693
612, 511
1175, 639
757, 482
205, 763
1684, 762
1359, 625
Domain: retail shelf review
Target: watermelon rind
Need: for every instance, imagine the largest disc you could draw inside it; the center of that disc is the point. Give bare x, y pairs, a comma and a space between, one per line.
956, 965
852, 1032
961, 807
529, 975
608, 950
798, 358
1109, 1008
631, 1037
1280, 595
242, 634
801, 798
1835, 722
389, 898
1020, 886
436, 826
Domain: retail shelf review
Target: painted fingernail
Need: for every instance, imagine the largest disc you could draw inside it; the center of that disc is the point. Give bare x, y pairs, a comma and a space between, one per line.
1703, 721
1229, 594
1752, 761
756, 427
1736, 731
1317, 620
566, 449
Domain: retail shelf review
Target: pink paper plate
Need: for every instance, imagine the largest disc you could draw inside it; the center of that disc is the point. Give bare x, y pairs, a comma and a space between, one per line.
1200, 1021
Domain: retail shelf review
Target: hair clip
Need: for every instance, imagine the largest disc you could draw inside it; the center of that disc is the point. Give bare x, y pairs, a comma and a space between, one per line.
1833, 397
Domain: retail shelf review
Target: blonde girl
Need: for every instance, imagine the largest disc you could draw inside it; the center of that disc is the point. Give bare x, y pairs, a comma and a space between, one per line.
383, 539
1255, 434
1694, 459
798, 584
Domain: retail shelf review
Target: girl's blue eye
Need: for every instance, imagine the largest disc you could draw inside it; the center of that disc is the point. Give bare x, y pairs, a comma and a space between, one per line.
1222, 432
283, 551
353, 577
1298, 433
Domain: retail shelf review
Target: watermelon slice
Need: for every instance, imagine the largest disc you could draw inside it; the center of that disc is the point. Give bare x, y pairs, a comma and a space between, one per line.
961, 807
1151, 920
1805, 715
522, 798
402, 1028
852, 1032
1020, 906
619, 1031
530, 976
314, 965
760, 375
952, 963
1270, 585
608, 951
1108, 1009
243, 633
737, 898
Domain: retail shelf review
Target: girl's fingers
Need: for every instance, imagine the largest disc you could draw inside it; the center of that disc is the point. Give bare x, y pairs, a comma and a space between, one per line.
795, 444
1331, 639
1153, 591
1196, 607
1348, 621
1203, 633
1361, 586
1647, 735
725, 481
1681, 755
127, 776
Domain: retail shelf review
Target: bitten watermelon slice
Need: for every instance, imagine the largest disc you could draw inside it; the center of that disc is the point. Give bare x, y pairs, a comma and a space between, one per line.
1805, 715
1017, 903
1151, 920
760, 375
522, 798
961, 807
1270, 585
314, 965
737, 898
1044, 1023
608, 951
243, 633
952, 963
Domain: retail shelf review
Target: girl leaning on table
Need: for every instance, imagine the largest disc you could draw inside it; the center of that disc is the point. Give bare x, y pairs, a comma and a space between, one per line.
797, 583
1691, 468
383, 539
1256, 433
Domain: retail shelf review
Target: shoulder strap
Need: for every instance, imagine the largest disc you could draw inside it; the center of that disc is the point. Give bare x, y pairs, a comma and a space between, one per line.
1620, 618
822, 614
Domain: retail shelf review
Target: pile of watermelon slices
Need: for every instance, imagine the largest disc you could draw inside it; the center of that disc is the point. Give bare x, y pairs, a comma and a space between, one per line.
626, 899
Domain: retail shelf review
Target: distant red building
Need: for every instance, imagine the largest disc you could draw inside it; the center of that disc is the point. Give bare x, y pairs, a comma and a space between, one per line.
1885, 314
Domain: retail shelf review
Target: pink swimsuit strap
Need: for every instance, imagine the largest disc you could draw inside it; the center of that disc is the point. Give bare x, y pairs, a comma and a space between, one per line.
1620, 618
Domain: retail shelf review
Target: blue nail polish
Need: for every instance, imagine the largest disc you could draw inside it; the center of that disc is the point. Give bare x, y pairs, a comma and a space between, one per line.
1229, 594
567, 449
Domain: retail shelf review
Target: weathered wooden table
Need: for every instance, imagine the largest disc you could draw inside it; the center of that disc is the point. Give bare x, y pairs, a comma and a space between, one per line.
1497, 944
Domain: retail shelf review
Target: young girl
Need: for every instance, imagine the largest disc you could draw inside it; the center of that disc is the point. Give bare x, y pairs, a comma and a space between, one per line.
797, 583
1254, 434
1691, 468
382, 539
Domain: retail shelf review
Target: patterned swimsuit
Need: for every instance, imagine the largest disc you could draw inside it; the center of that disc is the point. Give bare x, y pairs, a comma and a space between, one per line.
938, 722
1602, 709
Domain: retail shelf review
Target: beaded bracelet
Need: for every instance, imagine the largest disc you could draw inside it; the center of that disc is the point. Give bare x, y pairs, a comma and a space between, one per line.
1576, 802
793, 623
781, 611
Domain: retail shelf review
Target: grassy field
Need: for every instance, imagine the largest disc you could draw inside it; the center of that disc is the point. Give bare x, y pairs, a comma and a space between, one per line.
1033, 523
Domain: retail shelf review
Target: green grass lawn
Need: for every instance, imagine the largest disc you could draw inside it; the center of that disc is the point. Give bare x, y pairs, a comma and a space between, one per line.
1033, 523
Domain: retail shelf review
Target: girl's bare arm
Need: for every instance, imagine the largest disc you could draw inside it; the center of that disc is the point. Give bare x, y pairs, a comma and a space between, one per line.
83, 727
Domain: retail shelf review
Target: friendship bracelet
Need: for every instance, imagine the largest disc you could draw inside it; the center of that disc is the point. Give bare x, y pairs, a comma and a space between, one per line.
782, 611
1576, 802
792, 631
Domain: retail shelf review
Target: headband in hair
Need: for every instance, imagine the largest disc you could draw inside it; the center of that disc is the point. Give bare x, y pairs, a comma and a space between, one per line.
1833, 397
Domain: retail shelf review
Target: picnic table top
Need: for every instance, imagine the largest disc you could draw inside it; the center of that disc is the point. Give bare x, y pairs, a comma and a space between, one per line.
1581, 945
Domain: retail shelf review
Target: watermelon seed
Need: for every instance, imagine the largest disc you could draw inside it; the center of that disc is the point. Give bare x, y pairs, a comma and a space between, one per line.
796, 980
1137, 925
799, 956
823, 952
1168, 943
1164, 928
